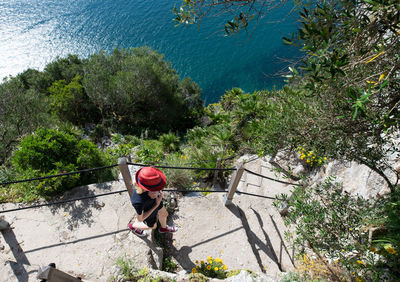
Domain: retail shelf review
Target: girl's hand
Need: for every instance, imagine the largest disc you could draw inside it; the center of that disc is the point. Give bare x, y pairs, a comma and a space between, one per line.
159, 198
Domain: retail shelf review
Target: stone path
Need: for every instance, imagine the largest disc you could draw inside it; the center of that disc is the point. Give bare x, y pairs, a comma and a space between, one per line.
83, 238
247, 235
86, 238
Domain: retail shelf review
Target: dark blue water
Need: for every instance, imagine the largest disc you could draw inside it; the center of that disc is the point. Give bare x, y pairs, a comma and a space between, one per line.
33, 33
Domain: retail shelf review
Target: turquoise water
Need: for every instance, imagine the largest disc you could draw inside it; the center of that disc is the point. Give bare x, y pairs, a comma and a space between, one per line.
33, 33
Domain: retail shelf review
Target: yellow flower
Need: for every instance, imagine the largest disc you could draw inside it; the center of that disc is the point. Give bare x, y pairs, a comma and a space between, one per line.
194, 270
224, 267
325, 158
210, 261
216, 268
202, 261
360, 262
208, 267
218, 260
390, 249
373, 249
308, 161
208, 258
358, 279
197, 261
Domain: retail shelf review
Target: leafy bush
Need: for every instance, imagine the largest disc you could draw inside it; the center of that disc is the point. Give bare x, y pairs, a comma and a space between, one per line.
149, 152
132, 87
178, 178
206, 145
69, 102
49, 152
21, 111
169, 265
336, 224
170, 142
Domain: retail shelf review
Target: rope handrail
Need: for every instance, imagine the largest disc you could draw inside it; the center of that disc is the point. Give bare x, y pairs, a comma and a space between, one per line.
255, 195
63, 201
57, 175
276, 180
202, 162
180, 167
122, 191
104, 167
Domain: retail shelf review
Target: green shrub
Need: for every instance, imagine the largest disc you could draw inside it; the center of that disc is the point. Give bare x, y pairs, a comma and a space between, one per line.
120, 151
170, 142
149, 152
127, 268
178, 178
169, 265
336, 224
132, 87
49, 152
69, 101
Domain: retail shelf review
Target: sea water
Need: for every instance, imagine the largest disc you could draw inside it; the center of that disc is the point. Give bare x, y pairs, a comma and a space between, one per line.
33, 33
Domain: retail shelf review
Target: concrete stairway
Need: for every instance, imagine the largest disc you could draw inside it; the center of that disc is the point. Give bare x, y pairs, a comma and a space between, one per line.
247, 235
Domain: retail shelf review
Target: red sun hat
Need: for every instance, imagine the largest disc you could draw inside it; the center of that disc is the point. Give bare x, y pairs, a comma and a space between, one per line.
150, 179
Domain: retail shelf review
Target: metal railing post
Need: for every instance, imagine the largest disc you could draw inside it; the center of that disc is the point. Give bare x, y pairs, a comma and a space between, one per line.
51, 274
234, 184
126, 175
4, 225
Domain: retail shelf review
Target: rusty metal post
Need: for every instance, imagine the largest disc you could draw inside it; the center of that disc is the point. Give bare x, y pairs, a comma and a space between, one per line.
4, 225
51, 274
234, 184
126, 175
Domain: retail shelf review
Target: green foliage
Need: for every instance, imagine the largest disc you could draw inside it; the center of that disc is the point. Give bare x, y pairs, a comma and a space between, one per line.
169, 265
336, 224
119, 151
208, 144
21, 111
178, 178
124, 147
192, 11
350, 71
70, 103
136, 89
64, 69
131, 273
127, 268
149, 152
49, 152
170, 142
386, 240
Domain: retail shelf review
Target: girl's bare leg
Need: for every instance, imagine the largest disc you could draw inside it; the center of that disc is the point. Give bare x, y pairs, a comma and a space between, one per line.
162, 217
